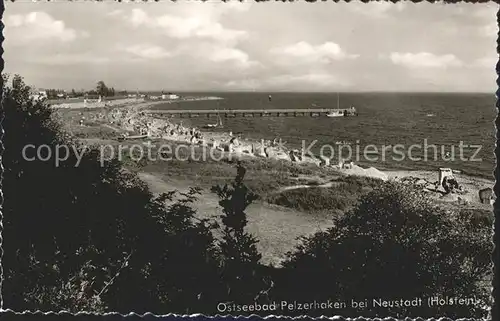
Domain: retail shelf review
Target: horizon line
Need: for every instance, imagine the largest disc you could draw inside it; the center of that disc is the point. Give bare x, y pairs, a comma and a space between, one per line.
310, 91
291, 91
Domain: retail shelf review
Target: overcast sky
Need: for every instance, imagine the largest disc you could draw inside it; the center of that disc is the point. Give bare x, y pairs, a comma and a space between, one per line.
193, 46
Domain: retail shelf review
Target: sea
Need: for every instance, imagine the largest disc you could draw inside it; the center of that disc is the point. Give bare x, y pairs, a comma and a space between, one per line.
393, 131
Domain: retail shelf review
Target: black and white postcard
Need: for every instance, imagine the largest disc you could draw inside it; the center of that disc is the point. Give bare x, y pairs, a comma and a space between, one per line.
244, 158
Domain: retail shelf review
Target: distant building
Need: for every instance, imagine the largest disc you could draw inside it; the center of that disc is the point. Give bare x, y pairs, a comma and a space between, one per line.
39, 95
169, 96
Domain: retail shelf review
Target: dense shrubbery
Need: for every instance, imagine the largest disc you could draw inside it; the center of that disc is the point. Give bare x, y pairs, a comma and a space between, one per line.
77, 229
93, 238
395, 244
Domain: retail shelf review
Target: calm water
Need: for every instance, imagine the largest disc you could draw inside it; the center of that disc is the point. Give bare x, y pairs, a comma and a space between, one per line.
384, 119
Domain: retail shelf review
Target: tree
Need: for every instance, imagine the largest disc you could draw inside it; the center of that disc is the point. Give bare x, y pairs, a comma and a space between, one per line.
101, 89
241, 270
396, 244
51, 93
92, 236
52, 212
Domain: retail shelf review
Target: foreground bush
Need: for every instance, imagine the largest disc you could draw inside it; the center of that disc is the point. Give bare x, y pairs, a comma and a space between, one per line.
92, 237
395, 244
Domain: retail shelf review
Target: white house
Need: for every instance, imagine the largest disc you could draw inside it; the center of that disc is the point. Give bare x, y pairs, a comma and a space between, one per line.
169, 96
40, 95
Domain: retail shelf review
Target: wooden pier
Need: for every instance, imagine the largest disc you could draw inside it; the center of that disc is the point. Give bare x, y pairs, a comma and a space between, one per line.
208, 113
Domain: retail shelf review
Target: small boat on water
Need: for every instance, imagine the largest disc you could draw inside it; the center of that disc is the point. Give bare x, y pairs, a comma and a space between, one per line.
351, 111
218, 124
335, 113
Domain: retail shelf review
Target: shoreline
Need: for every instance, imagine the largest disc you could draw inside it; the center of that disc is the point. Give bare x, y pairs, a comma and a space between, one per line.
131, 123
126, 103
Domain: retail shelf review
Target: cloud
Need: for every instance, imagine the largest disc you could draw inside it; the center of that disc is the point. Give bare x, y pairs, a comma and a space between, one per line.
207, 46
234, 6
38, 26
485, 10
301, 82
424, 60
70, 59
193, 31
490, 30
115, 13
138, 17
320, 53
232, 55
309, 81
245, 84
185, 26
486, 62
376, 9
146, 51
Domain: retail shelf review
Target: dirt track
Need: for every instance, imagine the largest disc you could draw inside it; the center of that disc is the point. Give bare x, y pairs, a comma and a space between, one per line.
277, 228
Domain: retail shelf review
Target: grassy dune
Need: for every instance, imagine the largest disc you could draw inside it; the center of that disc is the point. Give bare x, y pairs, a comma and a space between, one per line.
303, 187
276, 182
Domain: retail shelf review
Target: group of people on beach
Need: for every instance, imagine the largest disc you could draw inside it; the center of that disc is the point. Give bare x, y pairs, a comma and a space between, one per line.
133, 120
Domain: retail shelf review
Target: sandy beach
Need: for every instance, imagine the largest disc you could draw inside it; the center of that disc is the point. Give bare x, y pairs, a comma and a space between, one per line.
136, 103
